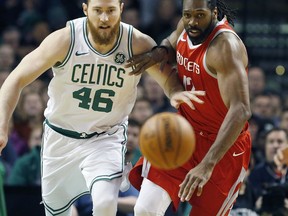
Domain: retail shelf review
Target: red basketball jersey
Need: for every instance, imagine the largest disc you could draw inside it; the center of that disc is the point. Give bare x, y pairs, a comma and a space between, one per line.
195, 75
222, 188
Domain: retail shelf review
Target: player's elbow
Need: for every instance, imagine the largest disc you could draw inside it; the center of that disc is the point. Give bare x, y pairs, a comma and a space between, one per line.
245, 112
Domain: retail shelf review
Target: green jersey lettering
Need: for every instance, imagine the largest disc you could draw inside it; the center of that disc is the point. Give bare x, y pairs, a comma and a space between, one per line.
74, 79
102, 101
100, 74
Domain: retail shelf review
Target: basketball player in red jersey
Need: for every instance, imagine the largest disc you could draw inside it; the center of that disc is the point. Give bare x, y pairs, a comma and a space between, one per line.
210, 57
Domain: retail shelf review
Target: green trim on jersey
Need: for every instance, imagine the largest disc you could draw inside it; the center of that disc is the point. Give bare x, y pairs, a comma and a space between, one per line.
71, 47
72, 134
125, 127
130, 33
92, 48
66, 207
114, 175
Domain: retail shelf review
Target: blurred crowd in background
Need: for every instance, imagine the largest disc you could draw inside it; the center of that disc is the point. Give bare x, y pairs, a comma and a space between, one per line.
25, 23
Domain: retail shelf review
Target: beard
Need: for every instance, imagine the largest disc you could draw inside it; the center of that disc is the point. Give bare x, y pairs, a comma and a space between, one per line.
102, 36
203, 33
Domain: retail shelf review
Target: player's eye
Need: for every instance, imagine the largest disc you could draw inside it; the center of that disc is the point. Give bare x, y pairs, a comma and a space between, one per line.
98, 11
186, 15
200, 15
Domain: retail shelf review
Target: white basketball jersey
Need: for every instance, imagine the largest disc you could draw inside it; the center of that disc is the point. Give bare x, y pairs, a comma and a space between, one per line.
92, 92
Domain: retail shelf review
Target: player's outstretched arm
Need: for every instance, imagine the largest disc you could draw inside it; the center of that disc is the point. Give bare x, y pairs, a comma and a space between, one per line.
163, 54
141, 62
169, 81
52, 50
168, 77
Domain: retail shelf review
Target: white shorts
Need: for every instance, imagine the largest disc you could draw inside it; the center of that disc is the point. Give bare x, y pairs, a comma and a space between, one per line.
71, 166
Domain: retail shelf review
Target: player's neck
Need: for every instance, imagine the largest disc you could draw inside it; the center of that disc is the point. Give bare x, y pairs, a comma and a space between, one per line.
104, 48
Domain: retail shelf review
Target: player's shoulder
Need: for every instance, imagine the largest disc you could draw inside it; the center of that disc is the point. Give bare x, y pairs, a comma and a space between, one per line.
141, 42
226, 39
226, 44
56, 45
62, 35
226, 48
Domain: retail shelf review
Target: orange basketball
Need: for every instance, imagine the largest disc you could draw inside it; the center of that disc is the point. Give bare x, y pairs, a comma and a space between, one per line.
167, 140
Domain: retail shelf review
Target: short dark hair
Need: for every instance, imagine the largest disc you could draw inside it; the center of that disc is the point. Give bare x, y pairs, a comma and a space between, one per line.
276, 129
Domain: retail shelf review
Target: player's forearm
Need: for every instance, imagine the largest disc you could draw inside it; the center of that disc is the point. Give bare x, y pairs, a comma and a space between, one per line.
170, 50
167, 47
167, 79
172, 84
9, 96
230, 129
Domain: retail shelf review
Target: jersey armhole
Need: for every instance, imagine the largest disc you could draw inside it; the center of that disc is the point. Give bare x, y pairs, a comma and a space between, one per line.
130, 34
206, 67
205, 54
129, 44
72, 43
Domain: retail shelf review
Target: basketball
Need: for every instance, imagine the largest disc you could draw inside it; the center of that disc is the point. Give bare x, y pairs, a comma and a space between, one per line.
167, 140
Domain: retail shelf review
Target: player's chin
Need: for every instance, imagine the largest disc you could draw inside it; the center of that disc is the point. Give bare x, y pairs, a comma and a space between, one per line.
194, 34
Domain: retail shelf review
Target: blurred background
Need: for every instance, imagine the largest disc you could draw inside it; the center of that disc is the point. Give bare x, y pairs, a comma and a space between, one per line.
261, 24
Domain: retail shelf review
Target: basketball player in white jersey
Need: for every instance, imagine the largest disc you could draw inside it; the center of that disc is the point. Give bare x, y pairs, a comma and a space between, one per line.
90, 97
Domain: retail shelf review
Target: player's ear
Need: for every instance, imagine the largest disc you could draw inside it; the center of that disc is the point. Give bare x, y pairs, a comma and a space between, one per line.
215, 12
121, 7
85, 8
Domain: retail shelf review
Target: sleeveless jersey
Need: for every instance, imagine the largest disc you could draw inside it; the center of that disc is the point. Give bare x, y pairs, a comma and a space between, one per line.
92, 92
195, 75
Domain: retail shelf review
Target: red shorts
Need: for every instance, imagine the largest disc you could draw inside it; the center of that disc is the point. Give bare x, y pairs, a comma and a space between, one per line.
220, 191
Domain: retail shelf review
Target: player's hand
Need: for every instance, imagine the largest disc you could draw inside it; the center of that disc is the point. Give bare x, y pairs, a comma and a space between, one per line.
194, 180
3, 141
139, 63
187, 97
